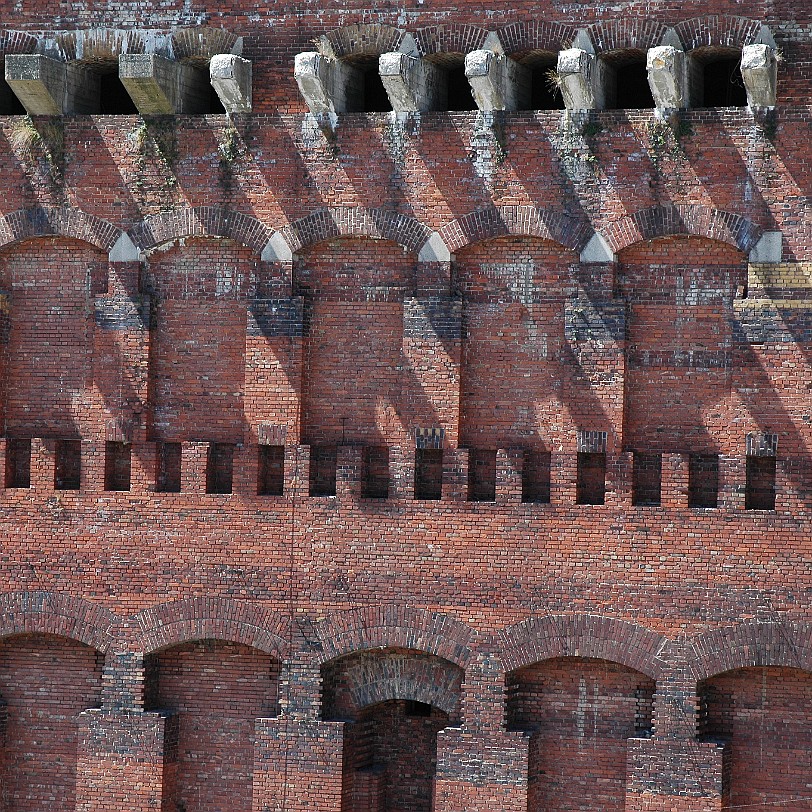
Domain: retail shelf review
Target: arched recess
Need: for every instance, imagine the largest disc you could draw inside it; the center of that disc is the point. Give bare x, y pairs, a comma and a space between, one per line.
394, 702
681, 360
393, 626
579, 686
528, 221
214, 665
513, 352
339, 221
65, 221
446, 39
755, 693
54, 270
201, 221
683, 219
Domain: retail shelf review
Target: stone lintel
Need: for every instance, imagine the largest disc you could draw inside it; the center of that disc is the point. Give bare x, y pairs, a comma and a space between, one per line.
579, 79
231, 79
497, 82
667, 69
159, 86
759, 68
48, 87
412, 84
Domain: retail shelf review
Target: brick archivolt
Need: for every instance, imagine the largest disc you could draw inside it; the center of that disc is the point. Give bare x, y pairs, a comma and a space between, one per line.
784, 643
330, 223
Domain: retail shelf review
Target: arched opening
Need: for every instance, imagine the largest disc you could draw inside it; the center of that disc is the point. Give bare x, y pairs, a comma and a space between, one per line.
113, 96
365, 91
718, 80
764, 713
394, 703
455, 93
544, 91
217, 690
45, 683
579, 713
626, 84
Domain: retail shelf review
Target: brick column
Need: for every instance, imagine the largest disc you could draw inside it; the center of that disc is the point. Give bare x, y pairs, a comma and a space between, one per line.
674, 492
480, 766
121, 761
125, 755
455, 474
348, 472
193, 467
509, 465
732, 482
672, 771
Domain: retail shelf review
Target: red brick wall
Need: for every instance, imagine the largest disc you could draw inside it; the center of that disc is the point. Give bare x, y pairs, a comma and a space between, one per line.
217, 690
761, 712
580, 713
45, 682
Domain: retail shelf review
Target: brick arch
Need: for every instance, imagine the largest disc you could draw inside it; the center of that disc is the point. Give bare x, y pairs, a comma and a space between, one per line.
751, 645
526, 221
54, 613
202, 221
535, 35
596, 636
393, 626
17, 42
683, 219
378, 676
178, 622
717, 30
450, 39
94, 45
637, 33
364, 39
380, 224
201, 42
47, 221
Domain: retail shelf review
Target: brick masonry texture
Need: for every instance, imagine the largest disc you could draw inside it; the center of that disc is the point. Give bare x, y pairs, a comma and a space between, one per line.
570, 315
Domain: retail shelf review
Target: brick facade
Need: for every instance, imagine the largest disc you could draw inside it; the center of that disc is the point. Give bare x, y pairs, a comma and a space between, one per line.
454, 460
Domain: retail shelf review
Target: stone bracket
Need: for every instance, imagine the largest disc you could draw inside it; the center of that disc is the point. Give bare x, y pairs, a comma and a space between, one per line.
580, 79
159, 86
320, 82
231, 78
48, 87
412, 84
759, 68
497, 82
667, 68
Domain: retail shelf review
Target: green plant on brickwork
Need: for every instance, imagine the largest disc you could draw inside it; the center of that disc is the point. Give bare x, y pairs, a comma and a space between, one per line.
155, 139
43, 145
229, 147
591, 129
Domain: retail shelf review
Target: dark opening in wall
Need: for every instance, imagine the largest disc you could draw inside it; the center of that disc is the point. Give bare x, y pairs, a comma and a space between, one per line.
375, 473
18, 463
417, 709
367, 94
722, 83
117, 466
113, 97
220, 468
428, 473
323, 464
68, 465
703, 480
536, 476
647, 476
481, 475
168, 463
591, 483
271, 473
544, 92
759, 492
460, 96
215, 104
626, 81
10, 105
